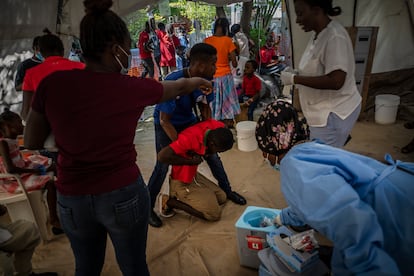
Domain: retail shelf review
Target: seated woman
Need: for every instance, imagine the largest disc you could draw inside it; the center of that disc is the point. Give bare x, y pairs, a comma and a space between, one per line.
32, 170
363, 206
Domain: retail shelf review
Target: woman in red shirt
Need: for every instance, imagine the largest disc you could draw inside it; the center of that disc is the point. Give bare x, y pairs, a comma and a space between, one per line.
93, 114
168, 43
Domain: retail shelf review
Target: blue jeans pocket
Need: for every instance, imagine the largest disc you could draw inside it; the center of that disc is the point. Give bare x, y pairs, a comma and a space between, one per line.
127, 212
66, 217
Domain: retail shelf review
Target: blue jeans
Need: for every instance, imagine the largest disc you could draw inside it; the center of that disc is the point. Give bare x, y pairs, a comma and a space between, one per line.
161, 169
122, 213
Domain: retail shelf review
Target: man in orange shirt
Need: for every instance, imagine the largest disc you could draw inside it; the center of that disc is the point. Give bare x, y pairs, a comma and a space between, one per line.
51, 48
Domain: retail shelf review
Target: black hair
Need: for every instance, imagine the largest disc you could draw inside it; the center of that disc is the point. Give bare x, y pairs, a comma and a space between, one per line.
50, 44
254, 63
7, 117
202, 52
235, 28
161, 26
35, 44
147, 26
222, 138
325, 5
100, 28
223, 23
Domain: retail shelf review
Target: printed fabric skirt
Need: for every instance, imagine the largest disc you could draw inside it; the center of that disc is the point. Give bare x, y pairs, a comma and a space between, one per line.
226, 102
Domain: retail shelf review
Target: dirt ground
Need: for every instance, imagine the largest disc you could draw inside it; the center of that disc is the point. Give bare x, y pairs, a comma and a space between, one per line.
189, 246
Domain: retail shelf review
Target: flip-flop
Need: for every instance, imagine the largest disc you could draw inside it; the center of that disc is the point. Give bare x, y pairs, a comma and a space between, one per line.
409, 125
408, 148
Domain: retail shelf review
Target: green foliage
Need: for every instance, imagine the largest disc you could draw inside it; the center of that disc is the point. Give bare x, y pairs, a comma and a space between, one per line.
135, 22
181, 8
259, 36
264, 11
194, 10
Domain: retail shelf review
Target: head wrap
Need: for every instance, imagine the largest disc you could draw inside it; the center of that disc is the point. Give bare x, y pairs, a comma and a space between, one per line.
279, 128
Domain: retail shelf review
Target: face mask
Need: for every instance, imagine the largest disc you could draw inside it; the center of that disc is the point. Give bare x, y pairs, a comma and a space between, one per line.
39, 56
124, 70
275, 167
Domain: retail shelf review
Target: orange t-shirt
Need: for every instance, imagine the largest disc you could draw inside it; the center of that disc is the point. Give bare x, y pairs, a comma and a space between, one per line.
224, 46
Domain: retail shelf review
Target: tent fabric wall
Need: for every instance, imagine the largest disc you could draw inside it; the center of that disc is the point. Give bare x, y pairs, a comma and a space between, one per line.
395, 41
21, 20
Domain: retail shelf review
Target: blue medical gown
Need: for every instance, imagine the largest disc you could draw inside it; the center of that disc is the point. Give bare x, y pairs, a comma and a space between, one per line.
364, 206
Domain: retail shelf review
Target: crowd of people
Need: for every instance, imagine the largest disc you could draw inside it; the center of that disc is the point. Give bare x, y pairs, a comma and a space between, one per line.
100, 189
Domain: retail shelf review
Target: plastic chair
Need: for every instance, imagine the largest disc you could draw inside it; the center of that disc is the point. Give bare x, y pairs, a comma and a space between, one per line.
26, 205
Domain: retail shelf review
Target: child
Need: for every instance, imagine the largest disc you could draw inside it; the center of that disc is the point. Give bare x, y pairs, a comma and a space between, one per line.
181, 57
32, 170
250, 88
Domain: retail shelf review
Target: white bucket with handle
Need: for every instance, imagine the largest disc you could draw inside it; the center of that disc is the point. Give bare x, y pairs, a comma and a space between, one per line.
246, 139
386, 107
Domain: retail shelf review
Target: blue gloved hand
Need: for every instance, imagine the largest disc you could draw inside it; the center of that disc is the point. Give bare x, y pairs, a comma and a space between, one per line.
42, 169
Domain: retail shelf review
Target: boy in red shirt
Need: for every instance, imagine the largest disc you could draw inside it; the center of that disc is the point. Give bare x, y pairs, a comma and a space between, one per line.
251, 87
189, 190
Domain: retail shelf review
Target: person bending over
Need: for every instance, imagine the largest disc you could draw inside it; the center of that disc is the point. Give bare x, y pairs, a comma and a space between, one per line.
173, 116
190, 191
363, 206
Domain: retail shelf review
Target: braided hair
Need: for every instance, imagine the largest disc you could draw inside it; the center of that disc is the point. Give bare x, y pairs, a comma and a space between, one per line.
100, 28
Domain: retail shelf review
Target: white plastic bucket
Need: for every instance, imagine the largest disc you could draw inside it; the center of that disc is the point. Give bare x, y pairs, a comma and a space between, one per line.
386, 107
246, 139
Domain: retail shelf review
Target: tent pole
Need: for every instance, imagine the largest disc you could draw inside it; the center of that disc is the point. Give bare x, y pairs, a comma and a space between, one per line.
354, 13
290, 32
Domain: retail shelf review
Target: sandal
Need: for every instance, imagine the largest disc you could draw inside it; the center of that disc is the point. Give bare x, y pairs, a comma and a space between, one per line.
409, 125
164, 209
408, 148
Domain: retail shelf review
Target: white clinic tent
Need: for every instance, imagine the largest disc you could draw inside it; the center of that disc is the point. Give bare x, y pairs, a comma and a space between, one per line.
195, 247
20, 20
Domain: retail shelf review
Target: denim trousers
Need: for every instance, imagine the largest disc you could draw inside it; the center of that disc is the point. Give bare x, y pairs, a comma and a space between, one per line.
161, 169
122, 213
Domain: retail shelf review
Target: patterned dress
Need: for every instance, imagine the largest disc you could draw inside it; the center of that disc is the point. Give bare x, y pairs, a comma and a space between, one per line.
31, 181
